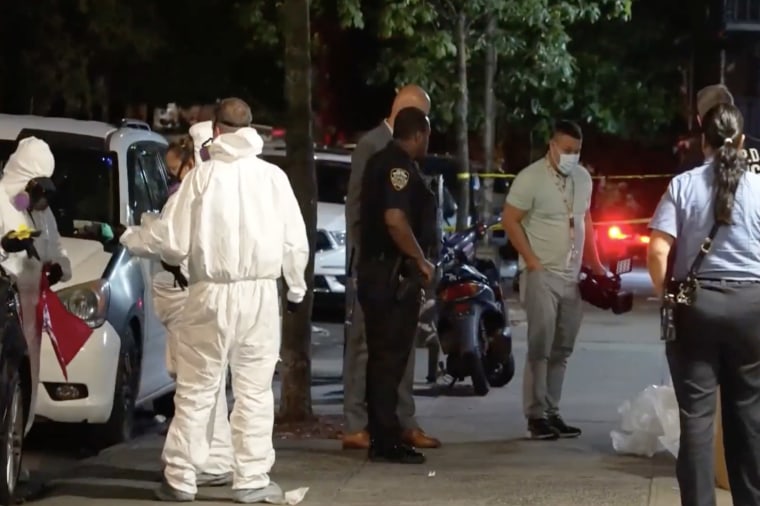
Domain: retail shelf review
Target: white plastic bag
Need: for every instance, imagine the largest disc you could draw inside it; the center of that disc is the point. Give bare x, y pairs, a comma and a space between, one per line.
648, 424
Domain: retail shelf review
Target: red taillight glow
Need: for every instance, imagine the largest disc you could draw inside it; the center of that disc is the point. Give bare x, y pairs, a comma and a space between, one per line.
278, 133
459, 291
462, 307
614, 232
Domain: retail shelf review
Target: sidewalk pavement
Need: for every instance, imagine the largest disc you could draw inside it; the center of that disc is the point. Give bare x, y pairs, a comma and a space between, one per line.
484, 460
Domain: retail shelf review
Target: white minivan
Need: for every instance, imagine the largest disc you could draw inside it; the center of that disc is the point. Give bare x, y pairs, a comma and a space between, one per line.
105, 176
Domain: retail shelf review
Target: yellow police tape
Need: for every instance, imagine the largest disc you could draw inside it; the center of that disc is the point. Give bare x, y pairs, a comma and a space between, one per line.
638, 221
498, 175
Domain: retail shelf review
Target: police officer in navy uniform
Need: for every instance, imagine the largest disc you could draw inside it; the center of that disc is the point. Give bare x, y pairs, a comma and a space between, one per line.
398, 227
716, 94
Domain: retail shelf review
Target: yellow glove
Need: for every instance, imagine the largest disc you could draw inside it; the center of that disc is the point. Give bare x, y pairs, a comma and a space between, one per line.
23, 232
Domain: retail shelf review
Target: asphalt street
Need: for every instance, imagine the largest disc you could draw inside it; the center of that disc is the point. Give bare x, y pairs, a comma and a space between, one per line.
617, 356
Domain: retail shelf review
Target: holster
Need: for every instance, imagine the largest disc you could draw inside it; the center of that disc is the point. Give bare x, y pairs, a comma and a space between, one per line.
407, 278
676, 293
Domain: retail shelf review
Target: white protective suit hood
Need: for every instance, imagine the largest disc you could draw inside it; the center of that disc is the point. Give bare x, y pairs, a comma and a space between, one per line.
31, 159
200, 133
243, 143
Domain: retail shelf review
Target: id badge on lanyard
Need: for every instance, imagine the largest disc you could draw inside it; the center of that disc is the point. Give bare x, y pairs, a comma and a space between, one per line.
572, 256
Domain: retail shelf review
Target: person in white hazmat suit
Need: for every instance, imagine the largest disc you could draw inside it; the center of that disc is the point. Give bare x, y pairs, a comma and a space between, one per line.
238, 224
170, 295
24, 188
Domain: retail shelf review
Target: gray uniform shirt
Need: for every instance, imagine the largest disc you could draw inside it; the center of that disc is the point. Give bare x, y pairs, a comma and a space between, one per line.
370, 143
537, 190
686, 213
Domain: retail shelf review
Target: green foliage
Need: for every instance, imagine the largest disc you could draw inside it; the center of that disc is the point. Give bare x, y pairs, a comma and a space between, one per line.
262, 19
67, 47
628, 85
543, 70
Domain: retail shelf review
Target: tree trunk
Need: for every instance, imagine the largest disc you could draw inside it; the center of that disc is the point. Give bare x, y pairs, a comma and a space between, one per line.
295, 399
462, 108
489, 125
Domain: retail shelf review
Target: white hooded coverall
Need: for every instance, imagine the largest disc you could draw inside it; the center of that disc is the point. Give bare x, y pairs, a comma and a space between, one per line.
168, 301
238, 223
31, 159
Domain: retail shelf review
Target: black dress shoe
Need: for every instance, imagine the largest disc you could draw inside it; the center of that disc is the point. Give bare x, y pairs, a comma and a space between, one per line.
396, 454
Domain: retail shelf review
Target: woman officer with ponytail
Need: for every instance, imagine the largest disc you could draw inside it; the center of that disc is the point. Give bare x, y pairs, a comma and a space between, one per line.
711, 216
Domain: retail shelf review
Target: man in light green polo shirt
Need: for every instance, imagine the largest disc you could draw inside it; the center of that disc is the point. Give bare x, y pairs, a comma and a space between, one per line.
546, 217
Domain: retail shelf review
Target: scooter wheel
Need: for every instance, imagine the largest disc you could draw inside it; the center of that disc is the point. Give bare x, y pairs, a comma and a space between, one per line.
474, 364
500, 374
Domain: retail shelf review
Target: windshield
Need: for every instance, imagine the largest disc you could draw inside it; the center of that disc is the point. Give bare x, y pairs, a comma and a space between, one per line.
332, 181
85, 203
332, 178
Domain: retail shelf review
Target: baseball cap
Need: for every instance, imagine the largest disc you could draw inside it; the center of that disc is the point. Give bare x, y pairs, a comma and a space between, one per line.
710, 96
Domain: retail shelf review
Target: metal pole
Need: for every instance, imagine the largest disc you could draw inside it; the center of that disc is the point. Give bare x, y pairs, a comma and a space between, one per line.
722, 66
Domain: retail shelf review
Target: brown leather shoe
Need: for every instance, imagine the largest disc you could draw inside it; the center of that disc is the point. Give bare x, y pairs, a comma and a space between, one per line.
356, 441
418, 439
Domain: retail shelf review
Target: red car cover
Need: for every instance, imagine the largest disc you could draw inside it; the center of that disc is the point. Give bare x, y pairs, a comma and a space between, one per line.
68, 333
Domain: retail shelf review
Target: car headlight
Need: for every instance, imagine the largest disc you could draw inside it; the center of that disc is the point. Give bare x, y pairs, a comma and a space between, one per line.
88, 301
338, 236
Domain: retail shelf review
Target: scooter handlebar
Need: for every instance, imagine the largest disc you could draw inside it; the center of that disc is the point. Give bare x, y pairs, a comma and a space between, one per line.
469, 235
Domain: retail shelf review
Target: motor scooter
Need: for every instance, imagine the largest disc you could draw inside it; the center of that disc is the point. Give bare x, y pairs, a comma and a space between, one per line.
473, 319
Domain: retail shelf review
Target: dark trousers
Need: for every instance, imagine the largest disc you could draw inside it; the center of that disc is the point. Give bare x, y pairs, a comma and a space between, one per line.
718, 344
390, 325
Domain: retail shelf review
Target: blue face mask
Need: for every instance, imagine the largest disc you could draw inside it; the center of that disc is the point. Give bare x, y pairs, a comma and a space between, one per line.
568, 163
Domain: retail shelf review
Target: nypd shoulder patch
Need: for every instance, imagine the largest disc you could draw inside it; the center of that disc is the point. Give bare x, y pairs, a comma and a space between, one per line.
399, 178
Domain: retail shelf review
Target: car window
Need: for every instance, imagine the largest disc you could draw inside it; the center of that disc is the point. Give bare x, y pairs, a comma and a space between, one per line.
152, 164
139, 195
332, 181
323, 242
6, 149
87, 214
332, 178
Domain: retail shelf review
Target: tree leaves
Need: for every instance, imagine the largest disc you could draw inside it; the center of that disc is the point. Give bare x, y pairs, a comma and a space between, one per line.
67, 46
537, 70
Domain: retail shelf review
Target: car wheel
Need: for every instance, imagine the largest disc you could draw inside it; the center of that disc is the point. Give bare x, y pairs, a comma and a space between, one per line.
120, 425
11, 436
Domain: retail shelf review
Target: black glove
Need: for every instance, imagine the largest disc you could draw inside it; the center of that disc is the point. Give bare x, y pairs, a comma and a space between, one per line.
292, 307
54, 274
15, 245
118, 231
179, 278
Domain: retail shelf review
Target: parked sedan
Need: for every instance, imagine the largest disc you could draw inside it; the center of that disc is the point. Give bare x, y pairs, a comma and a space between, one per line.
17, 390
333, 170
105, 175
330, 257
